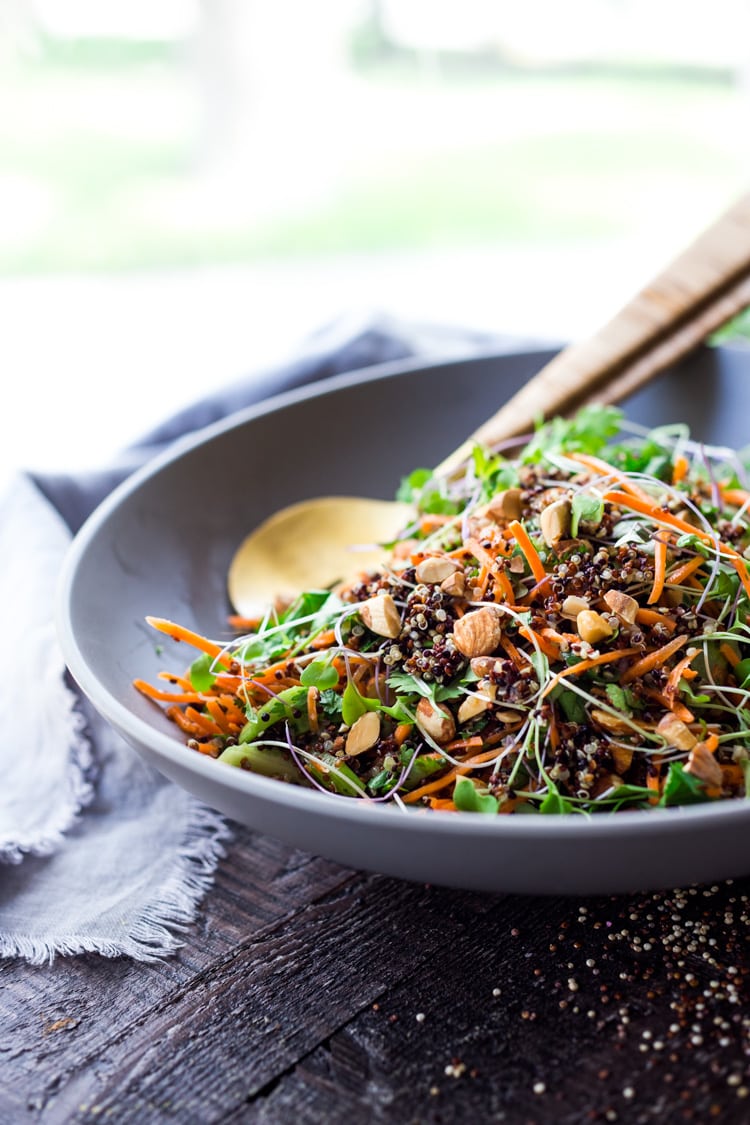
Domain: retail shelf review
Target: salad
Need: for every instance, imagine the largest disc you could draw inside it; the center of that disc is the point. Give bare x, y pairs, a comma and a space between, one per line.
560, 631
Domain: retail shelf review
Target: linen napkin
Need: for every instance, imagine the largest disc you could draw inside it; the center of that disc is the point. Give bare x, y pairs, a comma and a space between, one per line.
98, 852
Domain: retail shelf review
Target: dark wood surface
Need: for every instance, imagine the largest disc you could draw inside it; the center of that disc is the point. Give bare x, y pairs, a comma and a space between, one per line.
307, 992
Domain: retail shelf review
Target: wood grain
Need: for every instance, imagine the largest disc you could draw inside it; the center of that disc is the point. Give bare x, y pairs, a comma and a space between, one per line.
296, 996
697, 293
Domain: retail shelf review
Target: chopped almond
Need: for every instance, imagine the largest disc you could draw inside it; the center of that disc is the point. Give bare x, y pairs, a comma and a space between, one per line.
676, 732
380, 614
554, 522
505, 506
592, 627
475, 705
364, 733
436, 569
435, 720
622, 605
572, 606
702, 764
478, 633
610, 722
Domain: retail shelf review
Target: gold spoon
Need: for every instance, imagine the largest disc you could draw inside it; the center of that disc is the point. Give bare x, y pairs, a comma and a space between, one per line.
312, 544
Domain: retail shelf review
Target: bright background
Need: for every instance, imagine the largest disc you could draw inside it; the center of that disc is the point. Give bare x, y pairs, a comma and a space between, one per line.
187, 189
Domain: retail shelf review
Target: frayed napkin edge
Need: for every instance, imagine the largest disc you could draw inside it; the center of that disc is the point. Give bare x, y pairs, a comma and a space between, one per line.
154, 935
80, 793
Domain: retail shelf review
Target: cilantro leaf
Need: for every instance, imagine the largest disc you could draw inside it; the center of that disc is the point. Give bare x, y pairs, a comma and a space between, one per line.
682, 788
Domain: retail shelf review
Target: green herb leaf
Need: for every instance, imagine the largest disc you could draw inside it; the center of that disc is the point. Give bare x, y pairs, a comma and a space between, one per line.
682, 788
331, 705
555, 804
201, 676
585, 509
468, 798
320, 673
412, 485
571, 705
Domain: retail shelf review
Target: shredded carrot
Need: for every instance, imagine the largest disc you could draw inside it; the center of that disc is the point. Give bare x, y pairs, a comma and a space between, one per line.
653, 782
503, 587
711, 742
312, 708
528, 549
653, 617
473, 743
678, 709
660, 570
680, 469
685, 570
737, 497
657, 514
243, 624
547, 645
207, 725
606, 470
540, 588
480, 553
517, 657
402, 732
180, 633
220, 717
431, 787
442, 804
740, 566
653, 660
729, 654
585, 665
680, 671
324, 640
167, 696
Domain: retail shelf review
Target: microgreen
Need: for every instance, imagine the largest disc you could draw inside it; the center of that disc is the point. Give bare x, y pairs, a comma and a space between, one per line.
468, 798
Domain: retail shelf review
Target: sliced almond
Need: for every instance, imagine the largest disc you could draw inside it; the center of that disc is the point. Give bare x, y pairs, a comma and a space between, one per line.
455, 584
622, 605
592, 627
554, 522
435, 720
364, 733
478, 633
572, 606
517, 565
381, 615
437, 569
477, 704
702, 764
676, 732
610, 722
505, 506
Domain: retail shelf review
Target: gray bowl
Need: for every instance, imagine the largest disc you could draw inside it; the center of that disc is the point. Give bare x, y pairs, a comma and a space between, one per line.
161, 545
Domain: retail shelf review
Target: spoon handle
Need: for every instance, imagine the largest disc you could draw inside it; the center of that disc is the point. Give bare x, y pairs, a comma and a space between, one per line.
701, 290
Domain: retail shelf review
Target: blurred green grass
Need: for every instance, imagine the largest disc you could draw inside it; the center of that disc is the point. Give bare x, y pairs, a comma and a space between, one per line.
111, 154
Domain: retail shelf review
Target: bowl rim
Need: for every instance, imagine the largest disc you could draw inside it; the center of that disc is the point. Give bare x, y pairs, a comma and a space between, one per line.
659, 822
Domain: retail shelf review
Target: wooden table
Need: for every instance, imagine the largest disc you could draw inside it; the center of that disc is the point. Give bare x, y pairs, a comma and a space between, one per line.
307, 992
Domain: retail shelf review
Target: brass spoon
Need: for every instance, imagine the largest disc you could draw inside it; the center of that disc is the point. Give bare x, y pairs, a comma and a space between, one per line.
310, 545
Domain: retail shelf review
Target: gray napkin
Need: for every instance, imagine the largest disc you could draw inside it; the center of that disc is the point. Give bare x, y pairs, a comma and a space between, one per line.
97, 851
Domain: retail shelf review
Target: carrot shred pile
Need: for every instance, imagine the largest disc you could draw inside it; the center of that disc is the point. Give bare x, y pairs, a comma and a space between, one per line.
505, 660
